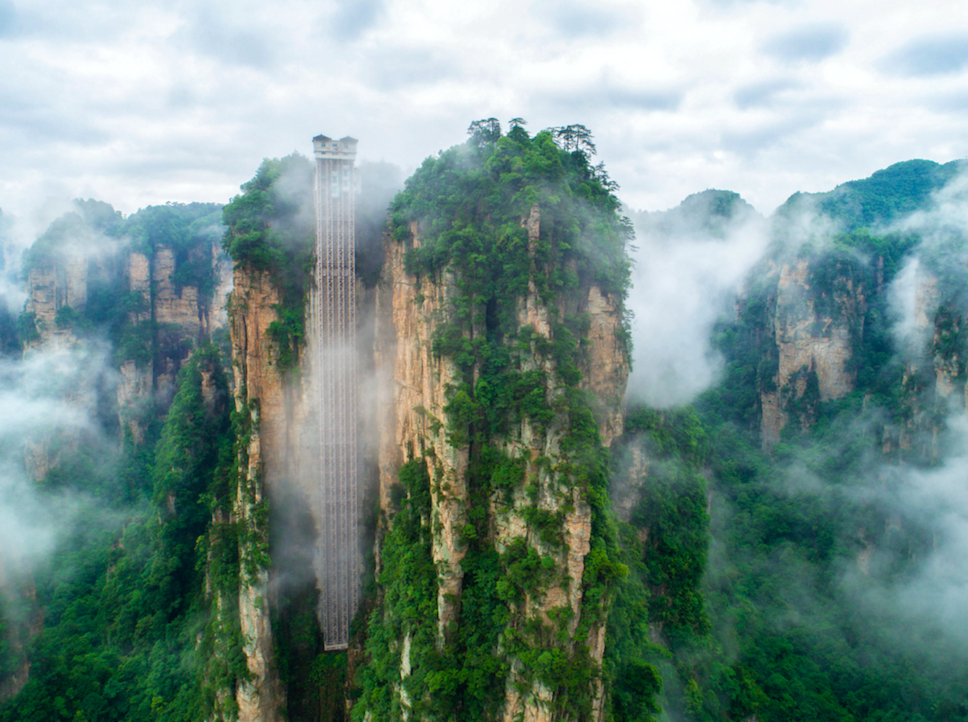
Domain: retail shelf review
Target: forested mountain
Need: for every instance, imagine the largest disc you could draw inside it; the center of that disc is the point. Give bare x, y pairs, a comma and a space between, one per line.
775, 535
809, 481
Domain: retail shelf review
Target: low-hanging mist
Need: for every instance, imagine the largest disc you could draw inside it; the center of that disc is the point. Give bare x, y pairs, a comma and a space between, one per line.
689, 264
54, 395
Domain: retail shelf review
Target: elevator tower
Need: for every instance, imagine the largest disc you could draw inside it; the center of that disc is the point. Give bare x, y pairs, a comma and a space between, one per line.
334, 372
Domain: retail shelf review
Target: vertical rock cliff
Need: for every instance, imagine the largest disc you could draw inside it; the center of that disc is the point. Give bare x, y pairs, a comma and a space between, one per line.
154, 284
502, 331
820, 309
259, 397
270, 238
825, 324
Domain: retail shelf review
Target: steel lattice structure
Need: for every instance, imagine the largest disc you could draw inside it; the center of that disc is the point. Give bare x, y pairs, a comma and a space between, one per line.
334, 371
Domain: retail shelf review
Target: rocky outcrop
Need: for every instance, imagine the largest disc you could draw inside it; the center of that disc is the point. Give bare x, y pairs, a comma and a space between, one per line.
406, 309
260, 394
409, 311
936, 354
215, 314
607, 364
21, 628
167, 324
50, 287
626, 486
814, 330
183, 317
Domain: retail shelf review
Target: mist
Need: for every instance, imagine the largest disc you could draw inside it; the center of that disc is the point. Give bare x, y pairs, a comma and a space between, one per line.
896, 575
50, 396
921, 602
927, 605
689, 264
58, 394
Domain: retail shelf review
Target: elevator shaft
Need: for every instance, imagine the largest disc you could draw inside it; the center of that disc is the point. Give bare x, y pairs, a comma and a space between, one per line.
334, 371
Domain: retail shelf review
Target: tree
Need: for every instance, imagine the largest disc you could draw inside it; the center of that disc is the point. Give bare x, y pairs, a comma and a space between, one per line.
483, 132
575, 138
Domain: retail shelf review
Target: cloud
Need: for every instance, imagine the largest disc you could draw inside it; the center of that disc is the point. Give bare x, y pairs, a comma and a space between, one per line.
912, 586
688, 266
156, 81
576, 20
603, 94
754, 138
929, 55
8, 19
808, 43
210, 34
635, 99
353, 18
393, 68
764, 93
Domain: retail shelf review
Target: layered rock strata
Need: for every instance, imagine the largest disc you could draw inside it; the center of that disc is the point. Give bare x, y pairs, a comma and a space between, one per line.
409, 312
814, 345
260, 396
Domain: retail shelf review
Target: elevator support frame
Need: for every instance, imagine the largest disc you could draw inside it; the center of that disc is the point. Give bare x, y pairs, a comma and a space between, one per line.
334, 371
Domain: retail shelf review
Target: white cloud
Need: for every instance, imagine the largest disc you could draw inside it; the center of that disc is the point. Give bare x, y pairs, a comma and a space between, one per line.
48, 399
144, 103
688, 269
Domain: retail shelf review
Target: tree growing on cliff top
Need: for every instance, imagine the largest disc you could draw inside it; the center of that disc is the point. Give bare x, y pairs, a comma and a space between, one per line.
270, 227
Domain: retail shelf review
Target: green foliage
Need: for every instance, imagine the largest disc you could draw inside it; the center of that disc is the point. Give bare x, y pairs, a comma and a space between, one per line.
664, 546
27, 330
637, 684
123, 594
288, 333
271, 220
137, 342
409, 581
672, 510
469, 203
471, 206
189, 230
676, 432
271, 228
884, 197
787, 524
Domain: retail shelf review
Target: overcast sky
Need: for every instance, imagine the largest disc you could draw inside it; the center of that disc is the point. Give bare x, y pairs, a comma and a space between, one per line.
141, 103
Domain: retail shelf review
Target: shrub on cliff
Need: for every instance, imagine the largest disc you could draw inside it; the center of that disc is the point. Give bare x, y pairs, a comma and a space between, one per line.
271, 228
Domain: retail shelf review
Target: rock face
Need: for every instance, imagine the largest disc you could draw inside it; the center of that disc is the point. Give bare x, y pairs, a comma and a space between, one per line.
20, 631
625, 493
50, 287
817, 317
259, 392
167, 323
814, 331
409, 311
404, 344
934, 381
